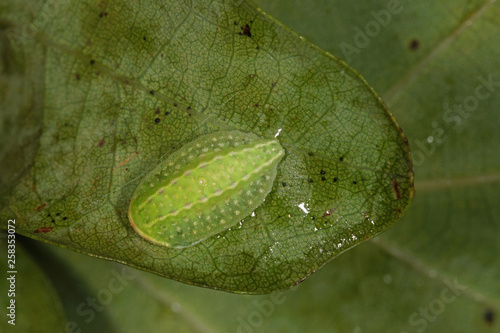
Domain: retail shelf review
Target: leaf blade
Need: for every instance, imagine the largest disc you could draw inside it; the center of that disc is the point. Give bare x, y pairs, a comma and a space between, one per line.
117, 102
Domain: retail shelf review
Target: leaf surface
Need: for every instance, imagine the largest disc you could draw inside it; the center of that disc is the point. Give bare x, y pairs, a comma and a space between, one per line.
449, 233
113, 88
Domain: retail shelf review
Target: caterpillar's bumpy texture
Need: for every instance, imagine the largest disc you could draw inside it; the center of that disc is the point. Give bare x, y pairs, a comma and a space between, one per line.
204, 188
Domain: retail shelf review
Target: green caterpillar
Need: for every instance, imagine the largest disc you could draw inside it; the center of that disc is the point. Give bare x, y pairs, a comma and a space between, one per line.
204, 188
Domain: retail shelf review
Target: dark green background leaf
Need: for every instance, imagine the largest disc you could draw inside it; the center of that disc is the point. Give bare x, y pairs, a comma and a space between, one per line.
120, 86
449, 233
37, 308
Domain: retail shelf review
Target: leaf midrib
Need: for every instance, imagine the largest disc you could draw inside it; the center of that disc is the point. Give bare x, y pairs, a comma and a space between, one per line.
432, 185
424, 269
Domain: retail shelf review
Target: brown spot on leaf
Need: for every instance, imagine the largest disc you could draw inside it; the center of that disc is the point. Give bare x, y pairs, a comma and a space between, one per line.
303, 279
101, 143
328, 212
43, 230
414, 44
42, 206
245, 31
127, 159
489, 316
395, 186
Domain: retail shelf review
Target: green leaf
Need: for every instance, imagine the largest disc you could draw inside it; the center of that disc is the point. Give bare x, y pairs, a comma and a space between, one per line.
27, 294
111, 89
449, 233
